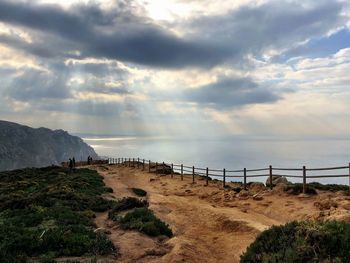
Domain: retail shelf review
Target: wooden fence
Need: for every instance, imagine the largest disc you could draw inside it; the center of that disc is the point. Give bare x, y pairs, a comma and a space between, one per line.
224, 174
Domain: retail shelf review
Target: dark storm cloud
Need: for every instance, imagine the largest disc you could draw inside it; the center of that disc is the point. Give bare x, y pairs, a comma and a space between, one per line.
229, 93
120, 34
116, 34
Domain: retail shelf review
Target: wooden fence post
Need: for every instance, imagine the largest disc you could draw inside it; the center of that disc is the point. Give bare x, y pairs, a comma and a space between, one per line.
149, 166
138, 162
207, 176
143, 164
182, 172
304, 180
192, 174
270, 168
156, 167
224, 178
349, 178
245, 178
163, 168
172, 170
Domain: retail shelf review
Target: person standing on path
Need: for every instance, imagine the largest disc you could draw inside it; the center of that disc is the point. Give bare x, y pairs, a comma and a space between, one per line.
70, 165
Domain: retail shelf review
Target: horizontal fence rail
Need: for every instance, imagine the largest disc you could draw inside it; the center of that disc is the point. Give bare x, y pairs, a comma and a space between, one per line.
269, 172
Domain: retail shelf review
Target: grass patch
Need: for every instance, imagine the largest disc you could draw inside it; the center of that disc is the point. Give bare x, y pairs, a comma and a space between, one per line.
306, 241
48, 213
139, 218
296, 189
124, 204
139, 192
329, 187
143, 220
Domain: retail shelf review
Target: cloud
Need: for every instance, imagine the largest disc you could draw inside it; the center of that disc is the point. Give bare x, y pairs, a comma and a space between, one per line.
228, 93
32, 84
273, 25
115, 34
123, 34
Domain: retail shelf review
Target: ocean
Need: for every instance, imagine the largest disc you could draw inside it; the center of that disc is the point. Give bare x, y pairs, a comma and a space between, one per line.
232, 153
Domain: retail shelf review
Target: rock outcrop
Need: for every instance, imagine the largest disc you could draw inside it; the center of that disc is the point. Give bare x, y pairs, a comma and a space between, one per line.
277, 179
22, 146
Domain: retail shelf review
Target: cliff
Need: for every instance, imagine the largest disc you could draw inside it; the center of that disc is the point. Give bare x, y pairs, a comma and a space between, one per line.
23, 146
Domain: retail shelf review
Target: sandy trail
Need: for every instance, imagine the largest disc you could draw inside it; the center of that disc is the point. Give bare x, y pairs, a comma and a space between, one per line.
210, 224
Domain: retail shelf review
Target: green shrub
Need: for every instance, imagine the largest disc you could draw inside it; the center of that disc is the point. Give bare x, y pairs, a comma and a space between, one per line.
103, 246
296, 189
143, 220
124, 204
306, 241
139, 192
108, 190
48, 258
329, 187
47, 211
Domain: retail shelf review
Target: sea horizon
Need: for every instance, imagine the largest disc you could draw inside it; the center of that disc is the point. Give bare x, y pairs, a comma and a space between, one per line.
231, 153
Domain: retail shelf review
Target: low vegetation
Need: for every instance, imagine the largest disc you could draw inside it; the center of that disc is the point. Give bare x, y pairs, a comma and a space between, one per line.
138, 217
143, 220
312, 187
48, 213
139, 192
126, 203
306, 241
329, 187
296, 189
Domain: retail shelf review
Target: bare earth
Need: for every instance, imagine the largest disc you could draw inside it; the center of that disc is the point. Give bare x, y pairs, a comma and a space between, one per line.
210, 224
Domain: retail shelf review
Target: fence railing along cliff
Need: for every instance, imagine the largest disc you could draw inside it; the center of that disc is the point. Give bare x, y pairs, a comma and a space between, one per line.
225, 174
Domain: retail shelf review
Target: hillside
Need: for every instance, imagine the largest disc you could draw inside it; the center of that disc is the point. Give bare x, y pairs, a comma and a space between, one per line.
23, 146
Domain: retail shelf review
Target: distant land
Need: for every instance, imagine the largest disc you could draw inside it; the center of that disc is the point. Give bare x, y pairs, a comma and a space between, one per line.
22, 146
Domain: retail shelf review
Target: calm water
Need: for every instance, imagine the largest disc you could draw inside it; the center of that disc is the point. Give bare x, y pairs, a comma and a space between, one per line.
231, 153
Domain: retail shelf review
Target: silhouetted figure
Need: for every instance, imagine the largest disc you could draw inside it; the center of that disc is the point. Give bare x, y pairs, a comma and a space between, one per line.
70, 165
73, 160
88, 161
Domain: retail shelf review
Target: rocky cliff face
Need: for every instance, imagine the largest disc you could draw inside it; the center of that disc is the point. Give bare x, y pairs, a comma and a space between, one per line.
22, 146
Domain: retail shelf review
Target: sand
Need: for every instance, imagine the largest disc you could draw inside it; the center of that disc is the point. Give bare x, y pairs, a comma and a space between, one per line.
210, 224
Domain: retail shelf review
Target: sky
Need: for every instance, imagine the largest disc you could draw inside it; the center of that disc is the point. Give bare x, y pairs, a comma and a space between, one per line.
187, 68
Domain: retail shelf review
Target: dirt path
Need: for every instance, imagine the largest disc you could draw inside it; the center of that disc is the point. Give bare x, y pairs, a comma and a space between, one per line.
209, 224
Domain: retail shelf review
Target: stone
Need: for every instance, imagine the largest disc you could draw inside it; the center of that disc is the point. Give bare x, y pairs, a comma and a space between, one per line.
276, 180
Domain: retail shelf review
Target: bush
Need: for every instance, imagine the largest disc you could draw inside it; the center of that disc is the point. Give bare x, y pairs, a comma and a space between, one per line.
329, 187
143, 220
306, 241
46, 213
296, 189
124, 204
139, 192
